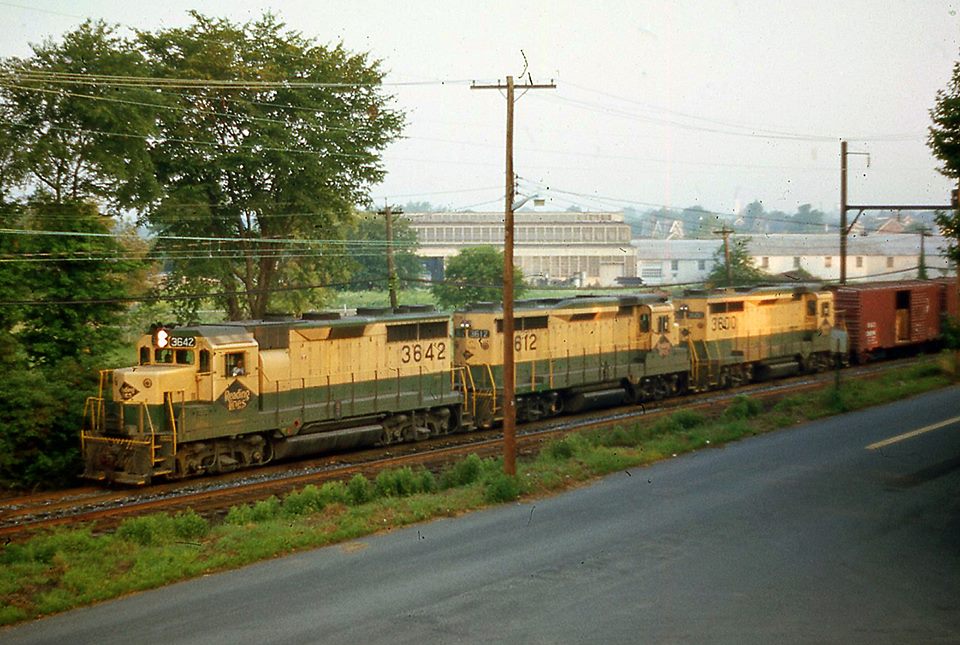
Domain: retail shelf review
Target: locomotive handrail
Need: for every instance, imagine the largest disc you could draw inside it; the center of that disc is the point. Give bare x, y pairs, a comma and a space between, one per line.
470, 389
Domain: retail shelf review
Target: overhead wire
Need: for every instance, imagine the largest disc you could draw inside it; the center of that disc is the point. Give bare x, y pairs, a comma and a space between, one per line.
251, 292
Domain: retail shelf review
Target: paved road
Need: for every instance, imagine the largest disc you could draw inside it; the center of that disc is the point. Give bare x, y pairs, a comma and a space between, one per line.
798, 536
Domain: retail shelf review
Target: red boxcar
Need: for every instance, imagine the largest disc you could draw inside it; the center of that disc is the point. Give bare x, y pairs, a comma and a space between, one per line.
949, 296
887, 318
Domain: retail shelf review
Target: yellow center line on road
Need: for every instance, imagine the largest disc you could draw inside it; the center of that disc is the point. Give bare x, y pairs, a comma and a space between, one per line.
912, 434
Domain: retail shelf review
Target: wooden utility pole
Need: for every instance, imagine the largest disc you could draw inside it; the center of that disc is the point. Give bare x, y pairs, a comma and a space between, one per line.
509, 405
725, 232
388, 212
843, 212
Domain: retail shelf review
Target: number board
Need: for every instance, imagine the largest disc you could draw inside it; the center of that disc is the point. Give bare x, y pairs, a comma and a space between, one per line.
420, 352
183, 341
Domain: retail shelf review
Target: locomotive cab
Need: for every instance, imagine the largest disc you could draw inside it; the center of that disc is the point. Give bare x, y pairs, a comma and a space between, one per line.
132, 433
658, 331
187, 365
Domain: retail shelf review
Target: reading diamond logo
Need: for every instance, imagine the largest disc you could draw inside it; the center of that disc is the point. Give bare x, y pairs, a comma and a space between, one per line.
127, 391
237, 396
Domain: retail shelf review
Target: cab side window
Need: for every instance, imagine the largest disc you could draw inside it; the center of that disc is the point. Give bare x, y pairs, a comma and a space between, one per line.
811, 307
144, 355
234, 364
204, 360
645, 322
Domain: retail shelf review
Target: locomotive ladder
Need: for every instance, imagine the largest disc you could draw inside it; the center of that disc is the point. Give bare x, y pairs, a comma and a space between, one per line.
163, 445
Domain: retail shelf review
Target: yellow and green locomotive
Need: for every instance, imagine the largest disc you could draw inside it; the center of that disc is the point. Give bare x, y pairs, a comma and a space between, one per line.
571, 354
739, 335
213, 398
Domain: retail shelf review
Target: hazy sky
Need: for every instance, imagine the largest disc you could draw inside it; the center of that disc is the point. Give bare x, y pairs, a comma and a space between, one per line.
676, 103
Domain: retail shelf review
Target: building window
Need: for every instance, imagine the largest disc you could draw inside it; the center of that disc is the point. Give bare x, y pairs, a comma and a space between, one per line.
674, 265
796, 262
764, 262
701, 265
828, 261
889, 263
859, 261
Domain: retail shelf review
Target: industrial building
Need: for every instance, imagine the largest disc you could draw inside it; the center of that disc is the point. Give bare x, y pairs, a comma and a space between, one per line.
588, 249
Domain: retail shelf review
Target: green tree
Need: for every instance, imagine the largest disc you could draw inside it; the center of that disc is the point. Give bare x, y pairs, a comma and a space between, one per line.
742, 270
368, 252
475, 275
808, 219
266, 156
944, 135
78, 135
699, 223
65, 289
87, 272
944, 142
753, 216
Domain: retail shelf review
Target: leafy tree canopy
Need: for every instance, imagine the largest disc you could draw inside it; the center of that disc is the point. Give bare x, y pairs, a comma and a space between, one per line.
77, 136
475, 275
944, 142
368, 243
65, 294
742, 270
268, 156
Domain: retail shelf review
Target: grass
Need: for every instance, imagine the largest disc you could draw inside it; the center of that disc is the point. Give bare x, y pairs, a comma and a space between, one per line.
66, 568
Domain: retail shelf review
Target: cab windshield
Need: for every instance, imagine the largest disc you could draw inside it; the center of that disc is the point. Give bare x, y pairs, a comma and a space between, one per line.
167, 357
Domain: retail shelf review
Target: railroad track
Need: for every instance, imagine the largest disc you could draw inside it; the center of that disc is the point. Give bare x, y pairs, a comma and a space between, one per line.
22, 516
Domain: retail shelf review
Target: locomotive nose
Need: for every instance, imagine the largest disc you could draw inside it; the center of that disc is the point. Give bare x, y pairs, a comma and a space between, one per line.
146, 384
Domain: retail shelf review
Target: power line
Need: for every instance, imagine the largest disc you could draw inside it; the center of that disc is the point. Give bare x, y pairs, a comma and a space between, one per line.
194, 110
212, 144
745, 126
116, 80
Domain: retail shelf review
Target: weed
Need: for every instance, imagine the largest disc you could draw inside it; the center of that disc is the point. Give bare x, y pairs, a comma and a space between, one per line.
334, 492
146, 529
265, 509
501, 488
190, 526
397, 483
686, 419
743, 407
360, 490
303, 502
427, 481
561, 449
462, 473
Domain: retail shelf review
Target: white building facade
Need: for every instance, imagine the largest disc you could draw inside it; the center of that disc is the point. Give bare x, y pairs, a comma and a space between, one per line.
891, 256
590, 249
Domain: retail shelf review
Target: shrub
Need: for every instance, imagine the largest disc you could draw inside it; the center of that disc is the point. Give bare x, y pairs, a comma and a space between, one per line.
43, 548
687, 419
265, 509
189, 526
427, 481
462, 473
147, 529
334, 492
239, 515
360, 490
561, 449
743, 407
302, 502
501, 487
